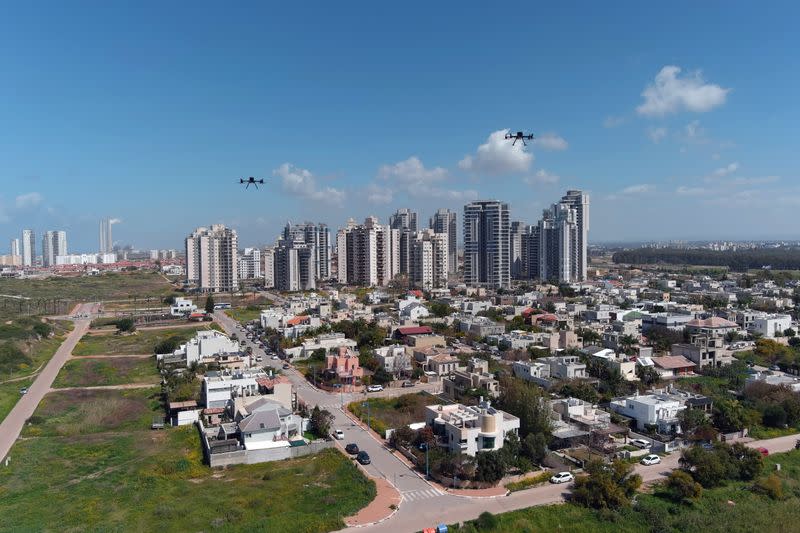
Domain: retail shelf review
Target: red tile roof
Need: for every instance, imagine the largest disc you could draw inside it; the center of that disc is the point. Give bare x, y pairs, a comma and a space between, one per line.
415, 330
671, 362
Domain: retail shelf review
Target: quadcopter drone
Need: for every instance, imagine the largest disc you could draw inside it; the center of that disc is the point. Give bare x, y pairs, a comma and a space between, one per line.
251, 181
519, 136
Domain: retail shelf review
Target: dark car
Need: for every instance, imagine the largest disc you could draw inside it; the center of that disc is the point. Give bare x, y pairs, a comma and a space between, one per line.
285, 366
363, 458
351, 448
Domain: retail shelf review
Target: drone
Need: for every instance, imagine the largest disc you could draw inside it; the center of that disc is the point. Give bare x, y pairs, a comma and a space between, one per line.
251, 181
519, 136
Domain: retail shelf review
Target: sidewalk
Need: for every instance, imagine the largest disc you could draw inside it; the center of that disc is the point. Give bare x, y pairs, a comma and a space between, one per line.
385, 504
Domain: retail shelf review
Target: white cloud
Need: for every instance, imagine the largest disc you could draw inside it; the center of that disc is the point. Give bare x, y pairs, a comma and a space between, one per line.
31, 199
637, 189
115, 221
670, 93
301, 182
726, 170
498, 156
412, 172
542, 177
550, 141
690, 191
612, 121
411, 177
379, 195
656, 134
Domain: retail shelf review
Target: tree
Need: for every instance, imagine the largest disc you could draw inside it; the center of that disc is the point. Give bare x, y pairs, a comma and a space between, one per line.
682, 488
529, 403
648, 375
209, 304
606, 486
534, 447
125, 325
789, 332
490, 466
691, 420
402, 436
728, 415
318, 355
321, 420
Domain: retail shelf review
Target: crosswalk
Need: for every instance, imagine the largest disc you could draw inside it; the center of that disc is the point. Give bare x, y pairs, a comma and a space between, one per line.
417, 495
330, 406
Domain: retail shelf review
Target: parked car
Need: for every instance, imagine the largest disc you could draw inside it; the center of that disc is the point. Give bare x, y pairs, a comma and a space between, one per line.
274, 357
763, 451
375, 388
286, 366
562, 477
651, 459
23, 390
363, 458
640, 443
351, 448
775, 368
338, 434
408, 383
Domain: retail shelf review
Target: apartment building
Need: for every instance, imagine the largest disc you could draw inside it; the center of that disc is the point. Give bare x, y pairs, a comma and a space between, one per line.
212, 259
444, 221
368, 254
429, 260
486, 244
470, 429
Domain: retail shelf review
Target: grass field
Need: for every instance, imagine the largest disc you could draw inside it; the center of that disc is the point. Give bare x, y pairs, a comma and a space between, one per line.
750, 511
107, 286
108, 371
391, 413
9, 395
141, 342
91, 464
245, 314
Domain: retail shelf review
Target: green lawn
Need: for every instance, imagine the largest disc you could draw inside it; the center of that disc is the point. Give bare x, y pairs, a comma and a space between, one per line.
100, 468
9, 395
392, 413
245, 314
750, 511
106, 286
141, 342
108, 371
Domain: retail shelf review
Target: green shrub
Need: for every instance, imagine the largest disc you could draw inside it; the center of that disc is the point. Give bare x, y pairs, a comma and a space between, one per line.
772, 486
486, 521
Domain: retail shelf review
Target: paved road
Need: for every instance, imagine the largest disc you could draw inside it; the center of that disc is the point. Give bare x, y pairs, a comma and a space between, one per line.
11, 427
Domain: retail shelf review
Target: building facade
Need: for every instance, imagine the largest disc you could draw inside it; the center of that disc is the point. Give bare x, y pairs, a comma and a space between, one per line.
28, 247
486, 244
429, 260
368, 254
444, 221
106, 241
54, 243
212, 259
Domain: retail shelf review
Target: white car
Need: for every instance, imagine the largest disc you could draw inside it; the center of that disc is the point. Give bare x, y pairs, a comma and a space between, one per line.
640, 443
338, 434
651, 459
562, 477
274, 357
375, 388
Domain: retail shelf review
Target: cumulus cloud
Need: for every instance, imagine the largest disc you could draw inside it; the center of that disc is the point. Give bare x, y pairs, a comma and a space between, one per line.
726, 170
671, 93
31, 199
411, 177
657, 134
550, 141
498, 156
302, 183
542, 177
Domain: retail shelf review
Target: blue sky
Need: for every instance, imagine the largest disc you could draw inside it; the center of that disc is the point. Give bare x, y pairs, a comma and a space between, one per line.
681, 120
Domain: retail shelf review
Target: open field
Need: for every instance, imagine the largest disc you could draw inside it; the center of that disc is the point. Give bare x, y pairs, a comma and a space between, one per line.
245, 314
749, 512
391, 413
106, 286
9, 395
90, 463
107, 371
141, 342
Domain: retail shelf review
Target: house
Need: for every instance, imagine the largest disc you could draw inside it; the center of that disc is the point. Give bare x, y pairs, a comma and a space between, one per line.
480, 326
778, 379
673, 366
714, 326
418, 336
414, 312
476, 377
470, 429
770, 325
616, 363
394, 359
659, 410
565, 366
675, 322
207, 344
344, 365
330, 342
219, 389
182, 307
534, 372
183, 413
578, 414
272, 428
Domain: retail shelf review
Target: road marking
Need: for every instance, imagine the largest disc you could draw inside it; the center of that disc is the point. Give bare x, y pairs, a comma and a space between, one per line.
417, 495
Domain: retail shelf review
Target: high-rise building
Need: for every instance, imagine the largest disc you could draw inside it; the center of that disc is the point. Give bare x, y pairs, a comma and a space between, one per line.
54, 243
15, 250
558, 244
268, 266
106, 242
444, 221
212, 258
250, 264
367, 254
405, 222
318, 236
429, 259
579, 201
486, 244
28, 247
515, 249
295, 266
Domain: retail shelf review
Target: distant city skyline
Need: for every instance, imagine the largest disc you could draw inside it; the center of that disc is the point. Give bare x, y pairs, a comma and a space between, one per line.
671, 137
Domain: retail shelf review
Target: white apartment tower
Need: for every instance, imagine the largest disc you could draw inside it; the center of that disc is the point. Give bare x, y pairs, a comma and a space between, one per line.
54, 243
579, 201
444, 221
106, 242
318, 236
405, 222
250, 264
212, 259
268, 266
429, 260
28, 247
295, 266
486, 244
368, 254
15, 250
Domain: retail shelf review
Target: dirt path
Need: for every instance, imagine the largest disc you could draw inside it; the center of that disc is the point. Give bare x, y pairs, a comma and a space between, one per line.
109, 387
114, 356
